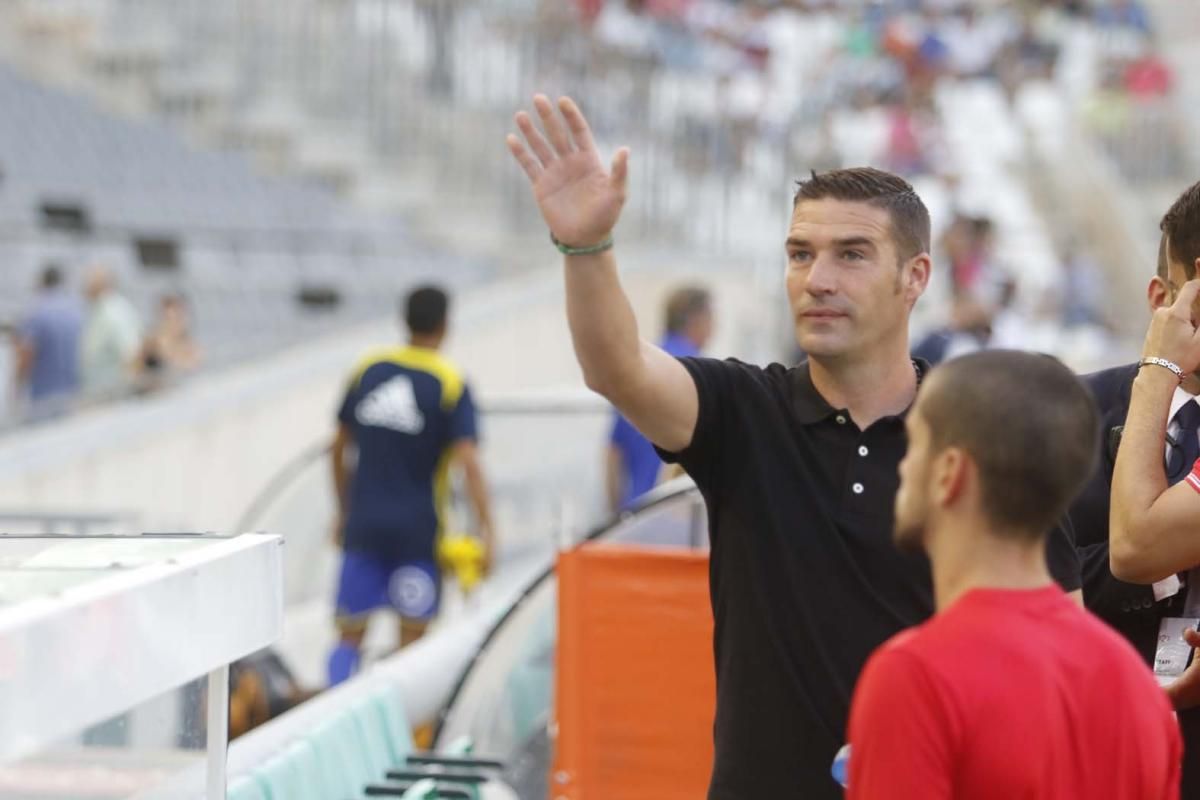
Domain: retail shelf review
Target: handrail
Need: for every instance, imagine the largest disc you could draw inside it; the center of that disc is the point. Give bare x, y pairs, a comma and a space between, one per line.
511, 405
279, 483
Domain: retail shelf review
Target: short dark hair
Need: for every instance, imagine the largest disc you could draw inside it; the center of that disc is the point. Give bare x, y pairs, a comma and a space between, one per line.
1181, 227
683, 305
910, 217
52, 277
1028, 423
425, 310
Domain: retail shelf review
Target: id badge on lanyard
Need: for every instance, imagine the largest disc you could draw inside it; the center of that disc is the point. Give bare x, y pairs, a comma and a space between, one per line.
1172, 654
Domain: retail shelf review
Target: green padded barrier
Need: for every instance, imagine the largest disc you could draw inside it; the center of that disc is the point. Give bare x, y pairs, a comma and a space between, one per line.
343, 768
395, 723
245, 788
280, 780
373, 737
302, 758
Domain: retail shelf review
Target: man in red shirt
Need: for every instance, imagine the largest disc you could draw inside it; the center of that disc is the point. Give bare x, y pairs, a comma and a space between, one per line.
1011, 690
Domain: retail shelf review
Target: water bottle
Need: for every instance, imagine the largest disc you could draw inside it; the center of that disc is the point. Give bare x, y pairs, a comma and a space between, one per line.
841, 766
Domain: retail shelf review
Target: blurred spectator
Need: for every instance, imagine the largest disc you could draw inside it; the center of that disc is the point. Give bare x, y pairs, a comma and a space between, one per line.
905, 148
169, 348
969, 330
973, 44
969, 245
1148, 77
632, 466
261, 687
624, 26
440, 22
1107, 111
1083, 290
8, 369
47, 370
1123, 14
112, 338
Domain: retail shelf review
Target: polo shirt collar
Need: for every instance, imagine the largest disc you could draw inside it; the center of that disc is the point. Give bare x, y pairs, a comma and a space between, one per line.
810, 407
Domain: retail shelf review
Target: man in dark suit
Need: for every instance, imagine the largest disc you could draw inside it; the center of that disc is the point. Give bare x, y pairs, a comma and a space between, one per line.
1136, 610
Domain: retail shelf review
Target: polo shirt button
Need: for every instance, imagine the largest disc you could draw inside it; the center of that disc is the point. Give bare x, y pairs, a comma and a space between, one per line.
841, 419
1147, 603
1125, 606
857, 488
862, 450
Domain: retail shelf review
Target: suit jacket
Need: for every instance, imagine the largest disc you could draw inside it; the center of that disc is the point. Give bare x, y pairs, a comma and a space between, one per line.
1130, 608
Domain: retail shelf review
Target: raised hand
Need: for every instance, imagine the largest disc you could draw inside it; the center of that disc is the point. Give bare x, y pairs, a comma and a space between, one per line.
578, 198
1173, 334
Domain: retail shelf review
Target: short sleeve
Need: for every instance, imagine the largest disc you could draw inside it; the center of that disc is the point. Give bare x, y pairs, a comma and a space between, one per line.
127, 329
1062, 557
623, 433
463, 422
349, 402
29, 328
713, 379
902, 737
1193, 478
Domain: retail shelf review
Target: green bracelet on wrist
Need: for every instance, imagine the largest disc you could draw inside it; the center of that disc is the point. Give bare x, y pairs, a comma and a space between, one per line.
567, 250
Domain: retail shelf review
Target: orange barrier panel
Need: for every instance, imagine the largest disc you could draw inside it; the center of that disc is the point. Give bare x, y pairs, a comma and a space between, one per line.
635, 690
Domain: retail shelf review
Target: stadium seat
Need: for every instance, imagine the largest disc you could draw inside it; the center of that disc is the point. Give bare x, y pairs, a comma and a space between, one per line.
397, 732
293, 775
246, 788
373, 737
280, 780
340, 761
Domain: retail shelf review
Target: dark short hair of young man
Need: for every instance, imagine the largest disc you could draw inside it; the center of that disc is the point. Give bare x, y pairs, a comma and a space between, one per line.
1028, 423
1181, 233
911, 228
426, 309
683, 305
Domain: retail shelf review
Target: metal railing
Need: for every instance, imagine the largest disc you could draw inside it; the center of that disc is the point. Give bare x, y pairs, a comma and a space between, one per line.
543, 460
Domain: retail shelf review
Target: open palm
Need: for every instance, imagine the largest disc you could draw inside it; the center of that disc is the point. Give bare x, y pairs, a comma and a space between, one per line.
578, 198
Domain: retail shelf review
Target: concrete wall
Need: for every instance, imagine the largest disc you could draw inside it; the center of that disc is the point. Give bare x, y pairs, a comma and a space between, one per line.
194, 458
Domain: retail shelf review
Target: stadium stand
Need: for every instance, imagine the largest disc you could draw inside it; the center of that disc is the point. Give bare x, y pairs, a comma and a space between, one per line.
239, 152
263, 262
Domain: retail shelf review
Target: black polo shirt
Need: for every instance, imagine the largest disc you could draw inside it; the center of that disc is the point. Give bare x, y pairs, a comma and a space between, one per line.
805, 580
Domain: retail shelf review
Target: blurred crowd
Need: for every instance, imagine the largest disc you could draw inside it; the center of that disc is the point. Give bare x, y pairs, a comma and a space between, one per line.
79, 345
852, 83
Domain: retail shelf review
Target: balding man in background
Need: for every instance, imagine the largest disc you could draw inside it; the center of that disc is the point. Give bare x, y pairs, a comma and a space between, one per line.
632, 467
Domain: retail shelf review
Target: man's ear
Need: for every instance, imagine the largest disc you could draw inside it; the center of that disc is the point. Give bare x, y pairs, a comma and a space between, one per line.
949, 476
916, 277
1158, 294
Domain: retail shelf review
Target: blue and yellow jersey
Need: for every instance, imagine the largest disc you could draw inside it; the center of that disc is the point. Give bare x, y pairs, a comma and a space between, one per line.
405, 407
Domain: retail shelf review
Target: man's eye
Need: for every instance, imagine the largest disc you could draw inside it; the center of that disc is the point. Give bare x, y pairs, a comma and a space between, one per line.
852, 255
800, 255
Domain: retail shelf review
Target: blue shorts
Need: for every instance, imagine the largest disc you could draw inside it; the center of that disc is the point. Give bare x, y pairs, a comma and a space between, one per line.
367, 583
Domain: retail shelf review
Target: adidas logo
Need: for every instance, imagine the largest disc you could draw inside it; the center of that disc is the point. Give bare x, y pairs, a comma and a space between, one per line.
393, 405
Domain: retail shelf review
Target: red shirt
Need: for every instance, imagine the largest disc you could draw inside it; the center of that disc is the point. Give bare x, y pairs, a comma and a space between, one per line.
1193, 478
1011, 694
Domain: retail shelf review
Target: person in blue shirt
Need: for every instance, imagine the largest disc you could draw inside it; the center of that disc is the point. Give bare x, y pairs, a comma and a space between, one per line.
632, 466
409, 415
48, 348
